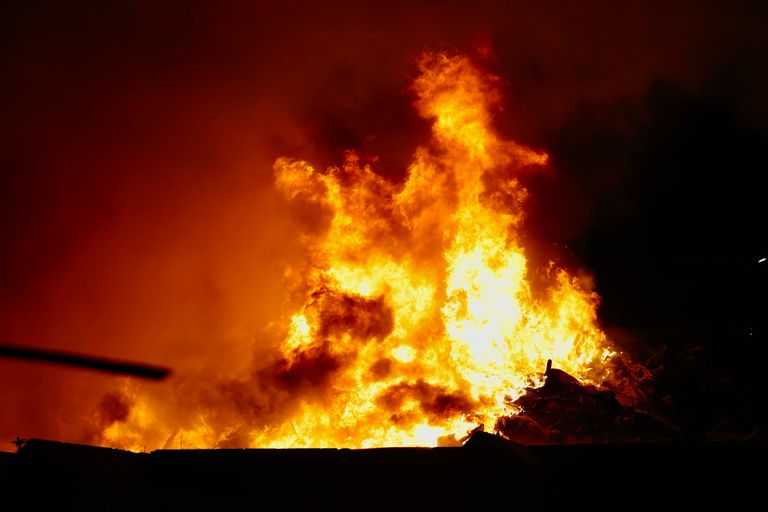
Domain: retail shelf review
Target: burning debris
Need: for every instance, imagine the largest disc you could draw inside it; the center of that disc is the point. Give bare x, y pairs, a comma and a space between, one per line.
672, 396
565, 410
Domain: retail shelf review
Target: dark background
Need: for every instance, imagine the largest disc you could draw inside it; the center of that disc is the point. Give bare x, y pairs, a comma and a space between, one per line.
137, 217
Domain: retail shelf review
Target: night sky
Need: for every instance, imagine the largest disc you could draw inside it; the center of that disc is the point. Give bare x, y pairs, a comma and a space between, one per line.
138, 219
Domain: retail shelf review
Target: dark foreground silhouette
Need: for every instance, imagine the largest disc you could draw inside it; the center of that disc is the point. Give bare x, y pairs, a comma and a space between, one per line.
487, 471
90, 362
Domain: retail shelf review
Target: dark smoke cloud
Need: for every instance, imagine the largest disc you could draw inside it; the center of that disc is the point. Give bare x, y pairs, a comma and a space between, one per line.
137, 216
309, 371
340, 314
113, 407
434, 401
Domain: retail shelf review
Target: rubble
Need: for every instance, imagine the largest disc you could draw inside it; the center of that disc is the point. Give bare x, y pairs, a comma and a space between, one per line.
563, 410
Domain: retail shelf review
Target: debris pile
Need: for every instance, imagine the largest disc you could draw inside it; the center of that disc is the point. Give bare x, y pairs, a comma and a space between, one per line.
564, 410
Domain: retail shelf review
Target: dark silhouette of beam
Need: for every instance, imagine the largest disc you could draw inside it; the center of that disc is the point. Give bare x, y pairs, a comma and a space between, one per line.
85, 361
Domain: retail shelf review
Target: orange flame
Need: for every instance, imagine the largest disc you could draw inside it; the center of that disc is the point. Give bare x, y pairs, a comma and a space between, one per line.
421, 289
418, 319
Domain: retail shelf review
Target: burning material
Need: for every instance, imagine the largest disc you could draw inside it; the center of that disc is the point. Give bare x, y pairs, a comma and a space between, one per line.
564, 410
416, 318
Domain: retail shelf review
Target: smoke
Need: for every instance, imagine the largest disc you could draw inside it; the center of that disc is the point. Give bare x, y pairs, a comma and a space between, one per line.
112, 408
137, 210
361, 318
435, 402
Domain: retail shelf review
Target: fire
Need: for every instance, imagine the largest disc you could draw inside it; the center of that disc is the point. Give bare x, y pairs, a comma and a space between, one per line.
417, 320
421, 289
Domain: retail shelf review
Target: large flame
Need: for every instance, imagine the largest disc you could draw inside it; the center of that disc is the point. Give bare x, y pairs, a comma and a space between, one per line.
418, 319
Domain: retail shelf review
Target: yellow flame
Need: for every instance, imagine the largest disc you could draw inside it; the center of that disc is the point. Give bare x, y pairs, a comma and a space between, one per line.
443, 253
419, 293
